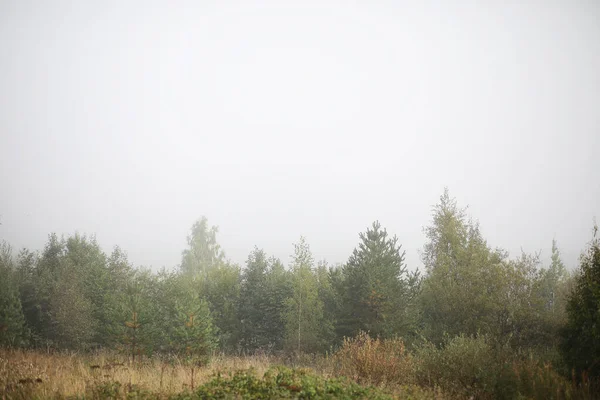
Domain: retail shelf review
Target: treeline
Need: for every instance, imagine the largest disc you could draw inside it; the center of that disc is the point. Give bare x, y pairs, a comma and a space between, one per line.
72, 295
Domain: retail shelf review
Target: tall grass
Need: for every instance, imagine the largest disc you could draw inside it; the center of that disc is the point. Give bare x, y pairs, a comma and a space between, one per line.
374, 361
463, 368
63, 375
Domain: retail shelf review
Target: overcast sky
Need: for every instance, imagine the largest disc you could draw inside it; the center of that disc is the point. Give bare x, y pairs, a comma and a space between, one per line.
275, 119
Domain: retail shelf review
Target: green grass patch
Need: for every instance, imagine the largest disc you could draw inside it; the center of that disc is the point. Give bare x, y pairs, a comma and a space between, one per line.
282, 383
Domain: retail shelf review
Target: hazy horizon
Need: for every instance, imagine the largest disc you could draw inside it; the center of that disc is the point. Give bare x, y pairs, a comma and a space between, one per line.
274, 120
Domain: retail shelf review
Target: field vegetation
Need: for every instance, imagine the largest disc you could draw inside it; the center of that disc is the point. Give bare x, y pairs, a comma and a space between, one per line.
475, 323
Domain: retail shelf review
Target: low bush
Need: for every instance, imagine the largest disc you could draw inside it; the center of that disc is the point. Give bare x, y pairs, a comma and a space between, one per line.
464, 365
476, 367
282, 383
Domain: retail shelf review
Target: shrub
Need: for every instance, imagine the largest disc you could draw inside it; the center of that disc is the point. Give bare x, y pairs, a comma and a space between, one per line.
476, 367
540, 381
282, 382
469, 366
374, 361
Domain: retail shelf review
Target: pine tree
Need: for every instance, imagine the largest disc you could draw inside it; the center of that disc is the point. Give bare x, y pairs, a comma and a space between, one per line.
13, 332
279, 286
253, 304
192, 334
376, 287
581, 336
221, 289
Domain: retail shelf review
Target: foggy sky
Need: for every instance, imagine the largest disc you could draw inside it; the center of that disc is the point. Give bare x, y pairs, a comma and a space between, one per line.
275, 119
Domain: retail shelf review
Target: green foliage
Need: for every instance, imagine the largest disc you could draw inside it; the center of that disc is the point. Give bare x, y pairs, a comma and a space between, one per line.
477, 310
221, 288
476, 367
551, 289
154, 312
279, 286
106, 390
581, 335
25, 281
216, 280
193, 337
119, 299
538, 381
472, 289
283, 383
13, 332
264, 287
331, 303
305, 324
378, 293
133, 333
464, 365
71, 320
63, 292
203, 252
465, 281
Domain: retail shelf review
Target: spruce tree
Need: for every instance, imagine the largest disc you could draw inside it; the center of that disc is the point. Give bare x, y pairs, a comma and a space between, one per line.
253, 302
376, 294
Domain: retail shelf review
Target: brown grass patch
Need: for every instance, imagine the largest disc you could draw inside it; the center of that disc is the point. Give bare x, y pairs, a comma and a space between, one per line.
374, 361
64, 375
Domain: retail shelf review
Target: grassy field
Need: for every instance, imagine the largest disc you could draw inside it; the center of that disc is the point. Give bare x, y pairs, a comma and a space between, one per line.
30, 374
67, 375
361, 368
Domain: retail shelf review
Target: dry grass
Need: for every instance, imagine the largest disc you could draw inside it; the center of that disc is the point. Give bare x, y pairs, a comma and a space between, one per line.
383, 363
374, 361
65, 375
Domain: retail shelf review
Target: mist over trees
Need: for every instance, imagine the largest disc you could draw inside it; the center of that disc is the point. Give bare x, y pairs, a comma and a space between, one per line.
72, 295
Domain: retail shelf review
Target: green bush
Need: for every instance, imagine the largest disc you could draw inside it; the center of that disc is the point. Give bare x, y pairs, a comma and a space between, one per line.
541, 381
282, 383
478, 367
469, 366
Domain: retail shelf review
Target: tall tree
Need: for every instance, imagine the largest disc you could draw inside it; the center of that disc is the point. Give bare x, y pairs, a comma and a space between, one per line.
581, 335
330, 299
65, 313
13, 331
70, 312
253, 304
193, 329
216, 280
221, 288
279, 286
464, 282
265, 287
26, 281
304, 309
203, 252
553, 279
377, 295
89, 264
119, 279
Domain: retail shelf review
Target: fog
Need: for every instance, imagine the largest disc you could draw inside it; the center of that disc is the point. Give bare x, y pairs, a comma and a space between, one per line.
130, 120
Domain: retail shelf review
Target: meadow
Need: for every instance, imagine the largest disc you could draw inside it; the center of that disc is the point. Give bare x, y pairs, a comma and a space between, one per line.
467, 368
